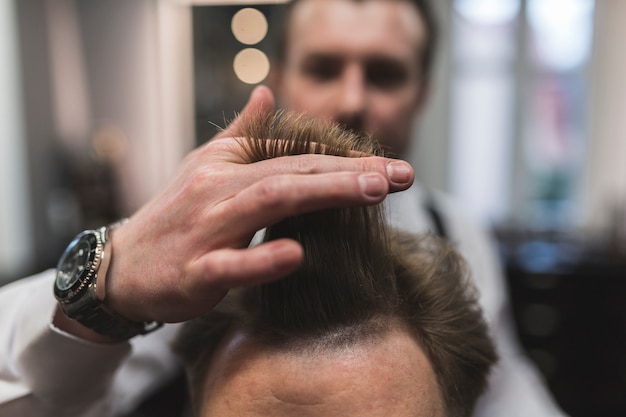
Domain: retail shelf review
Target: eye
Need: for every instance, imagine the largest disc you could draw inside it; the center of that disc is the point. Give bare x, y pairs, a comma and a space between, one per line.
386, 74
322, 69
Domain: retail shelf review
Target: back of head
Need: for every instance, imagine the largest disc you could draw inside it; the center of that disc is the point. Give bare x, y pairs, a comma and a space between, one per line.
358, 281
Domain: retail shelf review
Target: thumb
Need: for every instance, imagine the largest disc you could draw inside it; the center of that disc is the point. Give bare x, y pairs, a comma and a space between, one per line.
261, 102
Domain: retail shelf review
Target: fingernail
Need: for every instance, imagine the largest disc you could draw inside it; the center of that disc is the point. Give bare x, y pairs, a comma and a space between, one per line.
399, 172
373, 185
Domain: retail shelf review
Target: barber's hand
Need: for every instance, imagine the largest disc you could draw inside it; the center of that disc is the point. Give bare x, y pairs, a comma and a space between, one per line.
181, 253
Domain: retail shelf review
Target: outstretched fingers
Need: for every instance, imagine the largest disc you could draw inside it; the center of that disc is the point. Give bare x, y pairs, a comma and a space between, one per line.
220, 270
275, 198
398, 173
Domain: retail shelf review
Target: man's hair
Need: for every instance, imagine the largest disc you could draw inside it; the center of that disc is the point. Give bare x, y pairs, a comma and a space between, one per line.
358, 281
424, 9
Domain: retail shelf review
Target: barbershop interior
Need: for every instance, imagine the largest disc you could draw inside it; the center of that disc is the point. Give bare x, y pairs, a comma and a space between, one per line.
524, 128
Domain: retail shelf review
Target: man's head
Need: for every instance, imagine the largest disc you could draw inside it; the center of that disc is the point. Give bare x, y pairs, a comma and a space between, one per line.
374, 323
362, 63
386, 375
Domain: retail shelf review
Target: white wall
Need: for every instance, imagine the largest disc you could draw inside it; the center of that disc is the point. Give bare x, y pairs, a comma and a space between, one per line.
15, 237
429, 152
606, 172
119, 70
139, 66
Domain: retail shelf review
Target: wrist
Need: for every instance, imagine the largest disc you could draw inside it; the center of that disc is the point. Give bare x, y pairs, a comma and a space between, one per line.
115, 285
62, 322
80, 287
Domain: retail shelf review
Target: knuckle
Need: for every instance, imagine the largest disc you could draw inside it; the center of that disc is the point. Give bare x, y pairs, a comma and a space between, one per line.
304, 165
213, 269
369, 164
219, 145
272, 192
218, 149
201, 180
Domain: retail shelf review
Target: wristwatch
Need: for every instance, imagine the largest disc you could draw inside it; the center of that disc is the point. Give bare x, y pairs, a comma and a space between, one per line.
80, 286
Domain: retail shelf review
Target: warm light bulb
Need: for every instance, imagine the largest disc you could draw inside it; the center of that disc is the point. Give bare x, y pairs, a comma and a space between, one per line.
251, 66
249, 26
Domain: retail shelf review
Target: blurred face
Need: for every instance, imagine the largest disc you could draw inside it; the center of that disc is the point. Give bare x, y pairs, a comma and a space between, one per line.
356, 63
385, 378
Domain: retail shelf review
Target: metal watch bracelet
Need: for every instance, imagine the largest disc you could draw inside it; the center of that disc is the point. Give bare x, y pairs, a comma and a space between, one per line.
89, 308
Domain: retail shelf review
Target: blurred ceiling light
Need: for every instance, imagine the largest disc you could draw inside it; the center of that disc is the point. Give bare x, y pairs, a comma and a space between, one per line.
249, 26
563, 30
109, 143
251, 66
488, 12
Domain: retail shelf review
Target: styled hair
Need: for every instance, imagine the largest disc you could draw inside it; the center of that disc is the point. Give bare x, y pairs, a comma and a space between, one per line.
359, 280
424, 9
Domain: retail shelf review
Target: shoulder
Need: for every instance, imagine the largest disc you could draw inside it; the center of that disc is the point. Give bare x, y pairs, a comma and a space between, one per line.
477, 246
462, 224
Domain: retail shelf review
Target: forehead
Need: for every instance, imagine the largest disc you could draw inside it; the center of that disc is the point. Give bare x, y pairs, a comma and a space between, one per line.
356, 28
387, 377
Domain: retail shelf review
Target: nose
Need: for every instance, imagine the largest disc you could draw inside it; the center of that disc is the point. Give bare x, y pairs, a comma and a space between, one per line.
352, 99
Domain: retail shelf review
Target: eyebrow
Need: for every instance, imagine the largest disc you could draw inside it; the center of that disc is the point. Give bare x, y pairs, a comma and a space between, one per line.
332, 56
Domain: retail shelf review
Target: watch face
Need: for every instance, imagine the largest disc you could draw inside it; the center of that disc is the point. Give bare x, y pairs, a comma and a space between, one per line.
76, 263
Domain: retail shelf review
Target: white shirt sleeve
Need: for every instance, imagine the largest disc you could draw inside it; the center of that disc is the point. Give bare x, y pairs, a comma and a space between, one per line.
47, 372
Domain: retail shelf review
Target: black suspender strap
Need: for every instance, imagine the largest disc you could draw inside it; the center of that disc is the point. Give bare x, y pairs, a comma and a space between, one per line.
435, 217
